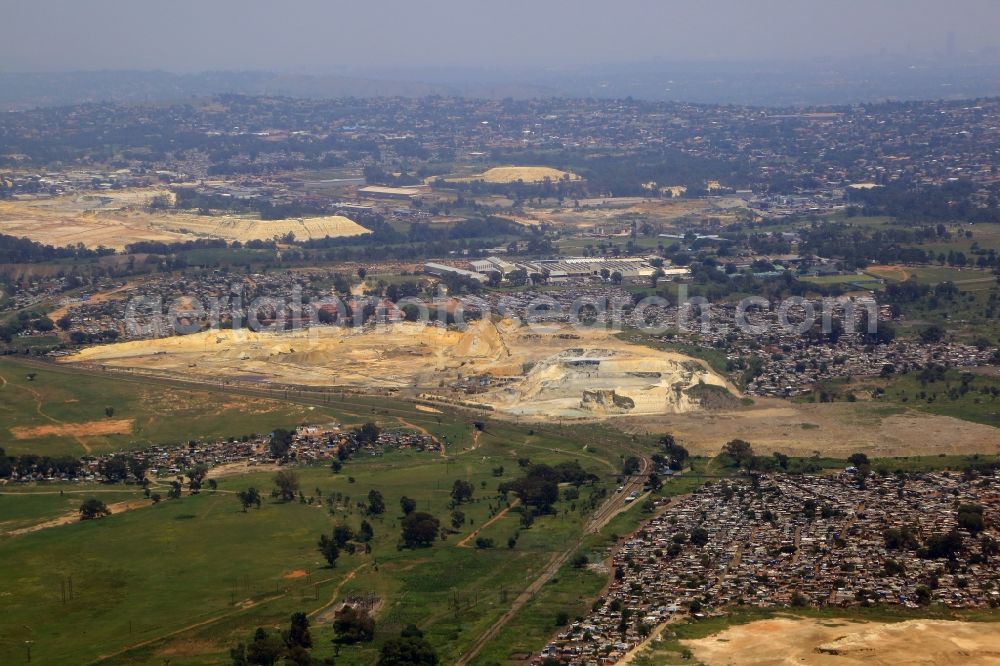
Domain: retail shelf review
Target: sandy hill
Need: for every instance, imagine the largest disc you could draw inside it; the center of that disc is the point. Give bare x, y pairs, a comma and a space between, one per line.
513, 174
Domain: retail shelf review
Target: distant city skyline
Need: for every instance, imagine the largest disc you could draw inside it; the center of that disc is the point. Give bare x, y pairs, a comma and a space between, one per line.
311, 36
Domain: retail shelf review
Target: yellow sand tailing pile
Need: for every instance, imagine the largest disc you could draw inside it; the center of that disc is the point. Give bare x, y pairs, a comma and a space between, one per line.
236, 228
844, 643
116, 219
512, 174
557, 371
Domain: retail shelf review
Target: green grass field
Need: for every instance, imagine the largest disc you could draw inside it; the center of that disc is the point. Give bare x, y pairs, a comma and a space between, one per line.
55, 412
978, 403
139, 576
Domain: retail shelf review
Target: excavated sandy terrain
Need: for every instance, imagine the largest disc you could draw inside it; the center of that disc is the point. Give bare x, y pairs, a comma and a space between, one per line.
811, 642
116, 219
558, 371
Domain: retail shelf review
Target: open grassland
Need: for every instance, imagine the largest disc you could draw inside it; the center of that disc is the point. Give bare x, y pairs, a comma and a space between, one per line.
64, 413
977, 402
186, 579
116, 219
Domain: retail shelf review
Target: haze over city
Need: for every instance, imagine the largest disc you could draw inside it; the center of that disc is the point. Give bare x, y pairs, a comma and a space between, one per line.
322, 37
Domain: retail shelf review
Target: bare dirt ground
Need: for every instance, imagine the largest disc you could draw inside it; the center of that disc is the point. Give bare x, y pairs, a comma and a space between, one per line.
836, 429
599, 213
512, 174
86, 429
786, 641
66, 519
116, 219
897, 273
239, 469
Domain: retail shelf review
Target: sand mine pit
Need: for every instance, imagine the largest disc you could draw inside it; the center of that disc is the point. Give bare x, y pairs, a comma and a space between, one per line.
501, 367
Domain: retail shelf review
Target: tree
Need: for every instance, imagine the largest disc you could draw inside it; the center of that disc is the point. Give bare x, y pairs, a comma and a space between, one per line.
298, 633
287, 483
940, 546
407, 505
461, 491
175, 490
631, 466
329, 550
248, 498
539, 488
366, 533
858, 459
280, 443
900, 538
457, 519
932, 334
114, 469
739, 451
410, 649
342, 533
353, 626
367, 434
93, 508
699, 536
376, 503
676, 454
195, 477
265, 650
420, 529
970, 517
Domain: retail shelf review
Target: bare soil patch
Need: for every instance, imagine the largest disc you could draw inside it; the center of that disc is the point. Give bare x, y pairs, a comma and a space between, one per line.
840, 430
845, 643
897, 273
86, 429
116, 219
74, 517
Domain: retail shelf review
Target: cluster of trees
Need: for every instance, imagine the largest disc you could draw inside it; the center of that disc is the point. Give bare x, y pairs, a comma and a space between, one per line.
93, 508
343, 538
14, 250
266, 647
954, 200
188, 198
28, 463
674, 455
538, 489
419, 529
410, 649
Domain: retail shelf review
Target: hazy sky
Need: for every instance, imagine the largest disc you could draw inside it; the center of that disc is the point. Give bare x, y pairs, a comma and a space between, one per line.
332, 36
